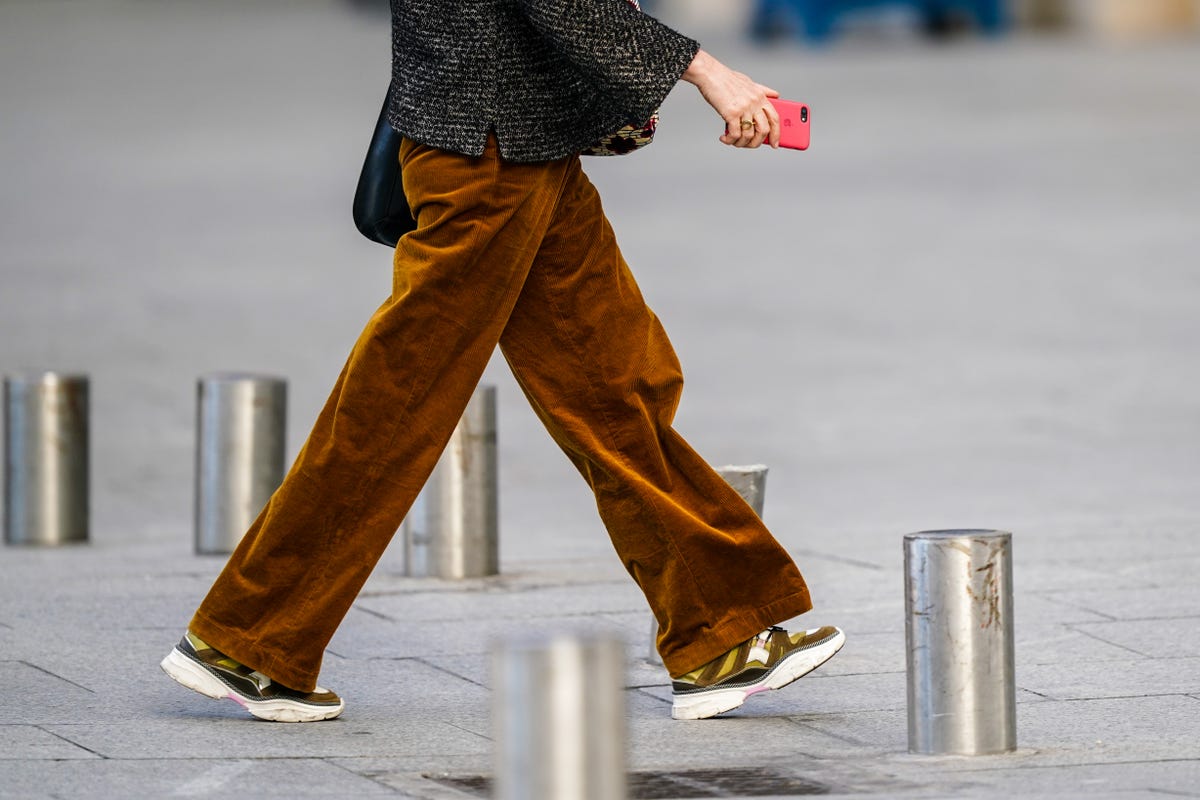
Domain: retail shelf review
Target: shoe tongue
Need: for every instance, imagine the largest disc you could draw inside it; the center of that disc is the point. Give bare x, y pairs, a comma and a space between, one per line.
262, 681
758, 648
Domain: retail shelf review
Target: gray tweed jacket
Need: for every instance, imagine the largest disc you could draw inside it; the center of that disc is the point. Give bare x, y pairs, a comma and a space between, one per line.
550, 77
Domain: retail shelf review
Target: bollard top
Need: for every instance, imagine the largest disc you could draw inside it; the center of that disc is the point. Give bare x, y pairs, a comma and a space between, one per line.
45, 377
743, 469
958, 533
240, 377
542, 642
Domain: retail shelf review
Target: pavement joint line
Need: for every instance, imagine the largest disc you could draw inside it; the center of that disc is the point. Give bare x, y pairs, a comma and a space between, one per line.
828, 674
495, 586
817, 554
370, 776
1071, 626
60, 677
83, 747
373, 613
1102, 698
467, 730
457, 620
1138, 619
440, 668
214, 779
840, 737
1076, 606
204, 759
1034, 753
652, 696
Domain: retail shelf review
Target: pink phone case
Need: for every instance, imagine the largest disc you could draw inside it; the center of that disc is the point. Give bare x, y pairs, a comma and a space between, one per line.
793, 122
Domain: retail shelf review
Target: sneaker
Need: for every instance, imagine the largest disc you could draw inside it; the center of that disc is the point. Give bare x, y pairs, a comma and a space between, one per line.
201, 668
771, 660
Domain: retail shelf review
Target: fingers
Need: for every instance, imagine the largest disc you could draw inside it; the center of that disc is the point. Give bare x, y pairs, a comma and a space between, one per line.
776, 127
752, 129
750, 119
740, 131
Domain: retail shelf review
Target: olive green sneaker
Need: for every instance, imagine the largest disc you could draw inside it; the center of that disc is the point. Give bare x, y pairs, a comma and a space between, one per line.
771, 660
209, 672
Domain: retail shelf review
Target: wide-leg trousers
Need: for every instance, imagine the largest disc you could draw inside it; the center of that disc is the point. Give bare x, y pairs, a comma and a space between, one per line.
520, 256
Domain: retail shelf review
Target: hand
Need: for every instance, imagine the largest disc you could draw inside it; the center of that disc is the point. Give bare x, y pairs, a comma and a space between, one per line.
750, 120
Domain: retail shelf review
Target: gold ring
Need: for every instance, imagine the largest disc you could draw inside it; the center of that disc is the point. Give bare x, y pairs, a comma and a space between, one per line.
747, 123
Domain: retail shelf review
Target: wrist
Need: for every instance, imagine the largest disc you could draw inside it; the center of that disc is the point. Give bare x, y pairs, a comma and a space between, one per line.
700, 68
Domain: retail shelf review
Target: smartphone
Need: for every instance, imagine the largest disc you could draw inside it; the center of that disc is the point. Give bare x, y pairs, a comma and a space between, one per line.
793, 123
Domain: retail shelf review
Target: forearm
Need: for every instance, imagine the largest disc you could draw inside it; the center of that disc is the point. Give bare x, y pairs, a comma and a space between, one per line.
700, 71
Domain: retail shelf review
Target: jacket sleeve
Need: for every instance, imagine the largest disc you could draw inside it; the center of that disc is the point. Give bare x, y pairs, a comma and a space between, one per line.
630, 56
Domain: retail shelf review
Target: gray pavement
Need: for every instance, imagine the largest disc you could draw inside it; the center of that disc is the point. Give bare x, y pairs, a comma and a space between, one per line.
974, 303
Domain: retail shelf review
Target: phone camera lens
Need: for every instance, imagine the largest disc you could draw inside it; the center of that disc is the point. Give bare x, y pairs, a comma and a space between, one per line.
804, 113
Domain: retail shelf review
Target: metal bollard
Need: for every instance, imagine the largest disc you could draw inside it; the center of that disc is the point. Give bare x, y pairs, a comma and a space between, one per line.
46, 459
416, 548
240, 440
462, 499
751, 483
559, 719
959, 627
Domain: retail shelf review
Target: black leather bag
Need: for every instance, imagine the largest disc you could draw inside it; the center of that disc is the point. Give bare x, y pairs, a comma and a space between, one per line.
381, 211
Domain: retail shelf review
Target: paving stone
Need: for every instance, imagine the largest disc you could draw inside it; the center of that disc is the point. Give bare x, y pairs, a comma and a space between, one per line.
225, 731
28, 742
364, 636
1163, 602
58, 700
186, 777
1177, 569
1050, 733
1166, 638
406, 774
477, 669
1038, 609
1048, 575
659, 741
1126, 678
1179, 778
1060, 644
506, 603
386, 694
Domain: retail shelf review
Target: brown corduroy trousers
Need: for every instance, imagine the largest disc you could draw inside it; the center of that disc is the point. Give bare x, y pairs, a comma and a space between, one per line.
522, 256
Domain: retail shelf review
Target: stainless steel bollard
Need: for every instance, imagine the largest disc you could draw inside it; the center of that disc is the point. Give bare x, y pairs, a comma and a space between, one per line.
751, 483
416, 548
462, 498
46, 459
559, 719
240, 442
959, 625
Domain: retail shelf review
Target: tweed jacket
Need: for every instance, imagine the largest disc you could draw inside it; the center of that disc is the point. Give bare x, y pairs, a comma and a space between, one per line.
549, 77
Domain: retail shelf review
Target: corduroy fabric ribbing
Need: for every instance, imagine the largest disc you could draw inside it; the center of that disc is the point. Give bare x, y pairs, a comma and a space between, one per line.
547, 77
522, 256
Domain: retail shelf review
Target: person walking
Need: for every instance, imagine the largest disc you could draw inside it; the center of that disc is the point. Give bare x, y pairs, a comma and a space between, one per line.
495, 100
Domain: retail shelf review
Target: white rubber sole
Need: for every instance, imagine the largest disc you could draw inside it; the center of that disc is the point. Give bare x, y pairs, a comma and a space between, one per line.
187, 672
790, 669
